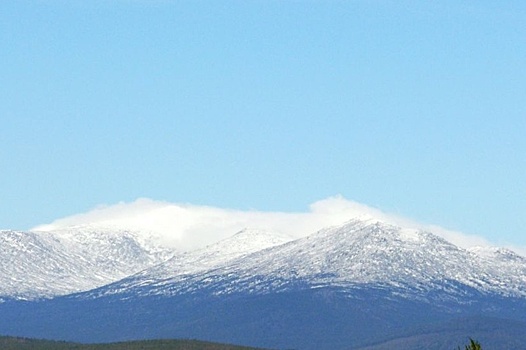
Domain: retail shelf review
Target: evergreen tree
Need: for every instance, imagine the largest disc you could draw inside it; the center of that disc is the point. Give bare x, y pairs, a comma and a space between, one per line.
473, 345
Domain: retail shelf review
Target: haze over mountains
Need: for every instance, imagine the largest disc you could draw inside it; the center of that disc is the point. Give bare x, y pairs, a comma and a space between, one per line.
186, 226
109, 276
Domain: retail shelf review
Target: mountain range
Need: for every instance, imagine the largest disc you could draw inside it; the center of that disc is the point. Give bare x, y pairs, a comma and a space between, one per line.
365, 284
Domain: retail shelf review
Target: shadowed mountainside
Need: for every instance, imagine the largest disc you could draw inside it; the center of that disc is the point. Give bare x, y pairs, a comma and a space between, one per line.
492, 333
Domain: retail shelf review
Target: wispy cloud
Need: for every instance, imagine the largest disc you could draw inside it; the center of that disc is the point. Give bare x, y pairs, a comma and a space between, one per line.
188, 226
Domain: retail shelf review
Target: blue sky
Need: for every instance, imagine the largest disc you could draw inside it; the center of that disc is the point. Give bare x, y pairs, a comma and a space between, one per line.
414, 107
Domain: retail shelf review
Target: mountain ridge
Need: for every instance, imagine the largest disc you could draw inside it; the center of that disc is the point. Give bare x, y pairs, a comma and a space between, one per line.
346, 286
361, 252
46, 264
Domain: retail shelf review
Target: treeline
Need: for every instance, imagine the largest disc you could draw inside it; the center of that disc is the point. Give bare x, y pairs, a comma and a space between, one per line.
13, 343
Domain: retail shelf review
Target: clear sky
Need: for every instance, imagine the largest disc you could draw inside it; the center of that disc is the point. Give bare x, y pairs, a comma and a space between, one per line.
417, 108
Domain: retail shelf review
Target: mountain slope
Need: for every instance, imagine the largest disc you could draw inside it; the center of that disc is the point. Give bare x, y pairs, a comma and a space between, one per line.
45, 264
492, 333
186, 264
410, 263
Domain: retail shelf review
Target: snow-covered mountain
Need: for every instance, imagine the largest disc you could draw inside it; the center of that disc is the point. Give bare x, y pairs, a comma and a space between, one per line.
203, 260
45, 264
361, 252
342, 287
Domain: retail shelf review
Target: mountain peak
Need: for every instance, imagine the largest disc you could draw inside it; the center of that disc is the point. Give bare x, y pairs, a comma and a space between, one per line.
252, 239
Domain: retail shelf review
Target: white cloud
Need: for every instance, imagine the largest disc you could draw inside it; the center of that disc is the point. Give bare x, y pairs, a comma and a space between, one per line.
188, 226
